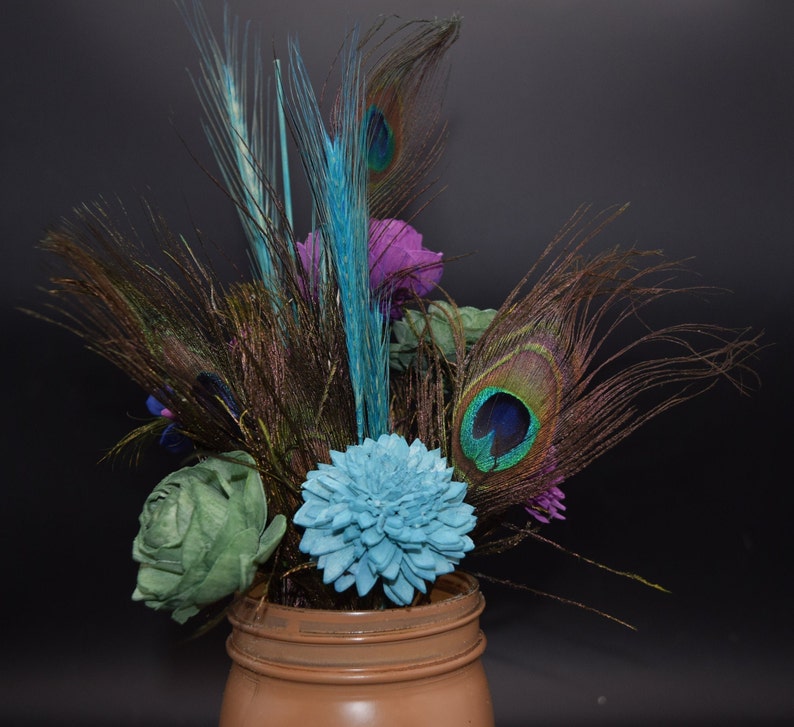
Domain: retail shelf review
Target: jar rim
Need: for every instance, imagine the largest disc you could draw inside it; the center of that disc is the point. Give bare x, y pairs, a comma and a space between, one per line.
389, 644
454, 597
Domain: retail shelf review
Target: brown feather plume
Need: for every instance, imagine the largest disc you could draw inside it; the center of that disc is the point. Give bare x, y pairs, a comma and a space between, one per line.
239, 367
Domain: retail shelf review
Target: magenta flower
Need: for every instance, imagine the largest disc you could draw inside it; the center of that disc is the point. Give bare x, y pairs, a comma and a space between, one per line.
399, 266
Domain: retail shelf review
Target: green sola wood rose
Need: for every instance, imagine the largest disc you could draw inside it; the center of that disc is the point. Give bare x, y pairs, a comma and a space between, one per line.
203, 535
442, 323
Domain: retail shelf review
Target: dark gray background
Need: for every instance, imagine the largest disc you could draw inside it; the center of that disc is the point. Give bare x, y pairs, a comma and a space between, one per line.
682, 108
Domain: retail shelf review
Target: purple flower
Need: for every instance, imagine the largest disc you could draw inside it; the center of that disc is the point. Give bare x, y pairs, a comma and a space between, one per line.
399, 266
547, 506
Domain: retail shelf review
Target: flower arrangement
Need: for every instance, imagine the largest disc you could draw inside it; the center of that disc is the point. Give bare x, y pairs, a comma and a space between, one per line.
352, 432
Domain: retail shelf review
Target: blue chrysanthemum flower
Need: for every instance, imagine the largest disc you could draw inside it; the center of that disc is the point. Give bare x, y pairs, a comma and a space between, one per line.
385, 510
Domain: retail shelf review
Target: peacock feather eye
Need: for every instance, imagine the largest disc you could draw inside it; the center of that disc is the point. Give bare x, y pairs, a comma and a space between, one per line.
497, 430
380, 140
507, 411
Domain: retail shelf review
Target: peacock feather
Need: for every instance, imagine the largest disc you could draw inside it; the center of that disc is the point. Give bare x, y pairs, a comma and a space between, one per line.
566, 369
402, 110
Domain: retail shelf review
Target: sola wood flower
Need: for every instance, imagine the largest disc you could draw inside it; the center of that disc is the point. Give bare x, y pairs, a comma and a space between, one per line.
203, 535
170, 438
547, 506
399, 266
442, 323
385, 510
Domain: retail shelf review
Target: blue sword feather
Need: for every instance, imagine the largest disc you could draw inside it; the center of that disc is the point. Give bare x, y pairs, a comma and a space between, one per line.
337, 172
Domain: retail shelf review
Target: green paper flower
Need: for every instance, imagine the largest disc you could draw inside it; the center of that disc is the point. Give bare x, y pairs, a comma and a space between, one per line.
203, 535
441, 316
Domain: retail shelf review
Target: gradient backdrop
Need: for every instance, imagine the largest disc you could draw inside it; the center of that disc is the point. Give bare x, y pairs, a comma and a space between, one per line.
682, 108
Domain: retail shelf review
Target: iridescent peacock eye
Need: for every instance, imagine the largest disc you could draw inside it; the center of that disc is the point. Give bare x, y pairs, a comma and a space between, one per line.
505, 416
380, 140
498, 430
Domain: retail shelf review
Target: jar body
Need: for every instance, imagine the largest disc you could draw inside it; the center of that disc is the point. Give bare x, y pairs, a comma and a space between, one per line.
404, 666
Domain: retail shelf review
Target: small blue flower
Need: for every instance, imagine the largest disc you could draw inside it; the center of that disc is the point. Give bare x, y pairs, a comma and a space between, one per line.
385, 510
171, 438
212, 391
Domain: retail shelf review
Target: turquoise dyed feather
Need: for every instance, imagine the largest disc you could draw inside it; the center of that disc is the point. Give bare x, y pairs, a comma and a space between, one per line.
336, 169
238, 130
